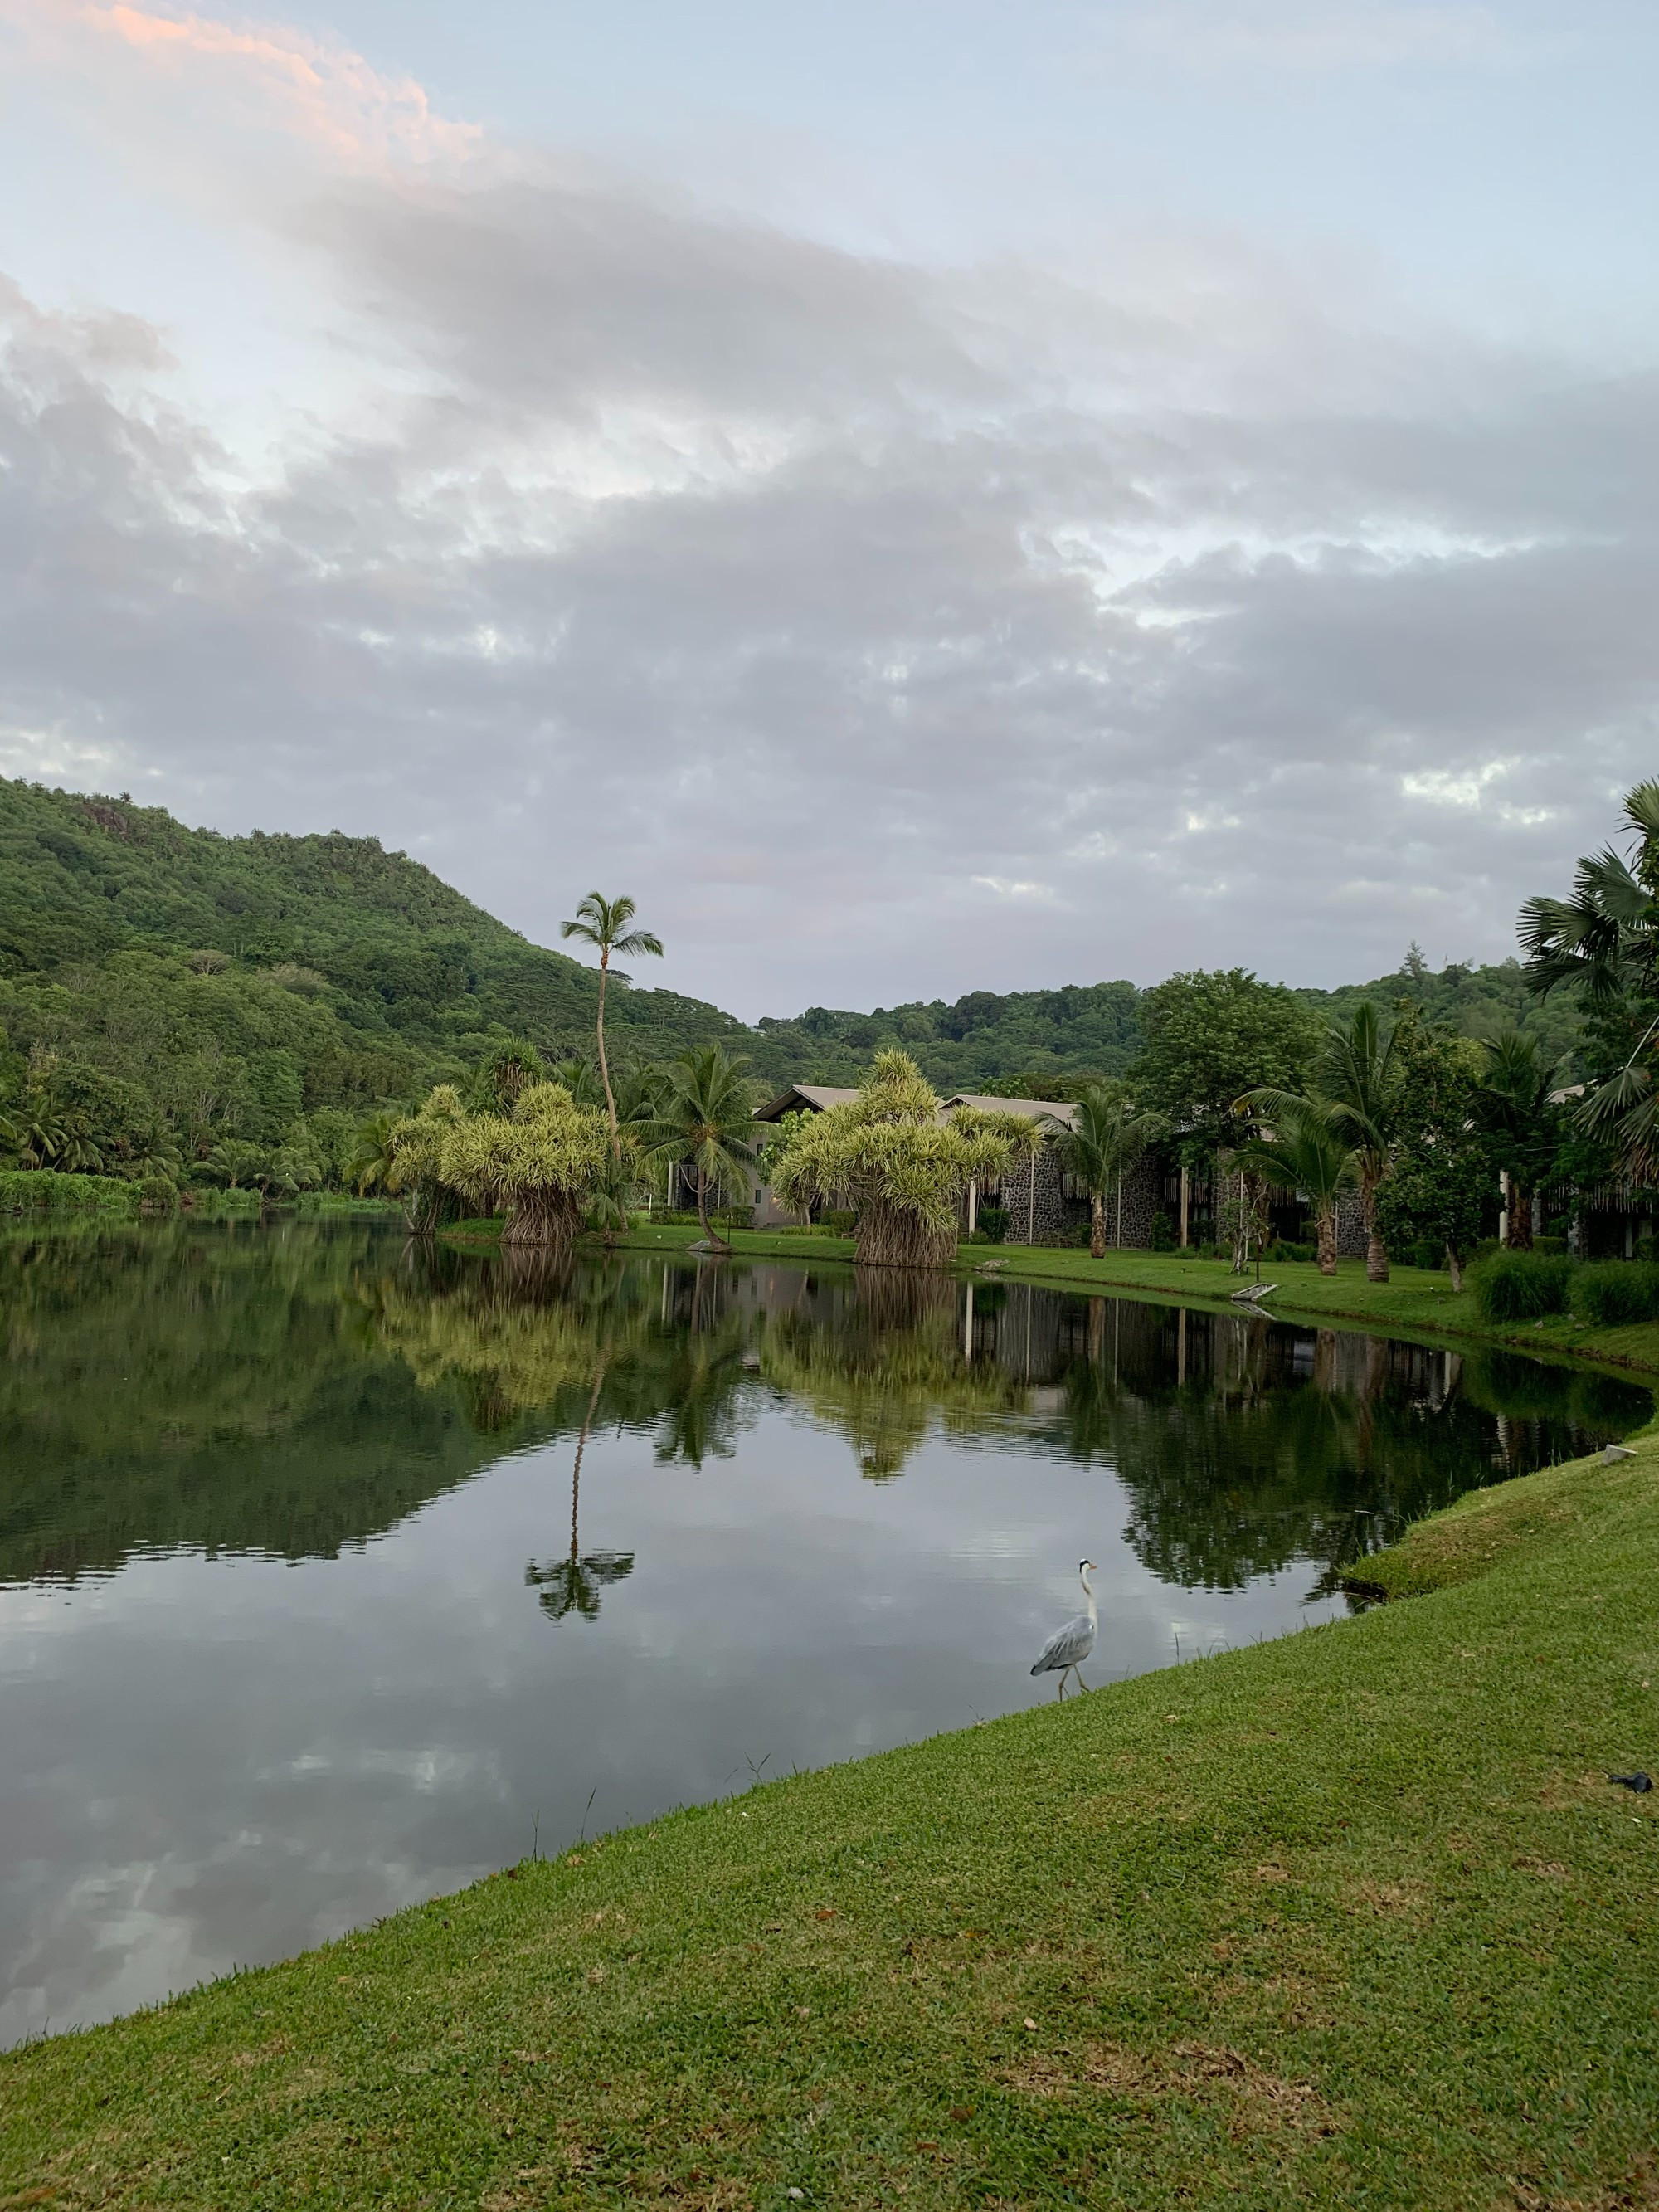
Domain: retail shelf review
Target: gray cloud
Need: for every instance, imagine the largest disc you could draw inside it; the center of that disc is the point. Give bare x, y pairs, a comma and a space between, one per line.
887, 632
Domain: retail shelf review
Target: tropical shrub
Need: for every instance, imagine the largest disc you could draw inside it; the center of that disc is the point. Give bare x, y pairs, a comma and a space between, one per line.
1286, 1247
905, 1170
1521, 1285
992, 1221
1611, 1291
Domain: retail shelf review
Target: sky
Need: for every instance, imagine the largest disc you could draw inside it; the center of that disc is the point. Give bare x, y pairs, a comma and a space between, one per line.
925, 498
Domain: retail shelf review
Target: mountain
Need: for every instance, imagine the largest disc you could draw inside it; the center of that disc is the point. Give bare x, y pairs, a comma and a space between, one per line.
291, 973
242, 984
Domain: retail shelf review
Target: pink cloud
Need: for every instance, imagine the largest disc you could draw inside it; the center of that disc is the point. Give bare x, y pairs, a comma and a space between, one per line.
324, 94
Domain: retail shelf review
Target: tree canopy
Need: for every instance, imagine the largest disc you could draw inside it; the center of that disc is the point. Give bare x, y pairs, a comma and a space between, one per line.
888, 1153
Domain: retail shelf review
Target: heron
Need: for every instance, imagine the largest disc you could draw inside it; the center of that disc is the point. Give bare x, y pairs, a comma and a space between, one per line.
1069, 1647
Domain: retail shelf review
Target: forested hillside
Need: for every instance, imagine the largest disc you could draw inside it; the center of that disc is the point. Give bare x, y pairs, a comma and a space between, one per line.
243, 982
1039, 1041
163, 990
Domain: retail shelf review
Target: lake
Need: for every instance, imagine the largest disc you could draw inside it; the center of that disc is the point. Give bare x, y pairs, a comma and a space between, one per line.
307, 1612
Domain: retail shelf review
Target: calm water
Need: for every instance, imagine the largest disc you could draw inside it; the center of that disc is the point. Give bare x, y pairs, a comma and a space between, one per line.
301, 1617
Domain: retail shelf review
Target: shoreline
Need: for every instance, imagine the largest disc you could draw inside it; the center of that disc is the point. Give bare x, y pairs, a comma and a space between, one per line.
1413, 1305
1353, 1915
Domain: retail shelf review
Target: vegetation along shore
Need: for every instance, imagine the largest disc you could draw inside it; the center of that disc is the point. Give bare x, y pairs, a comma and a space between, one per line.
1353, 1918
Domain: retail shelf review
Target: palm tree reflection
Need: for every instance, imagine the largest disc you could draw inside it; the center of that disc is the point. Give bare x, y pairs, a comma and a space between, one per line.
572, 1584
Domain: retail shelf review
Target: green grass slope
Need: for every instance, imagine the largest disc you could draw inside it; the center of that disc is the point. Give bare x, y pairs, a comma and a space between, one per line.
1353, 1919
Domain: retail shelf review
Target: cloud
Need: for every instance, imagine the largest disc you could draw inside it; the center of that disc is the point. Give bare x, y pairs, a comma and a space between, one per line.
271, 78
1319, 35
887, 630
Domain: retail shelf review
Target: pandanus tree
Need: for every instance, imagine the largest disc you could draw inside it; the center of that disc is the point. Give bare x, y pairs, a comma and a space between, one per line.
540, 1163
887, 1153
605, 924
704, 1121
1101, 1142
1304, 1146
1604, 937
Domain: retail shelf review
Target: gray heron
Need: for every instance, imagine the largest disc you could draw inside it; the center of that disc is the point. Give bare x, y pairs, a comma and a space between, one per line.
1069, 1647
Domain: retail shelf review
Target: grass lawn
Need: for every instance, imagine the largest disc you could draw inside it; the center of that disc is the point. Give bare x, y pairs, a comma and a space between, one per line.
1352, 1919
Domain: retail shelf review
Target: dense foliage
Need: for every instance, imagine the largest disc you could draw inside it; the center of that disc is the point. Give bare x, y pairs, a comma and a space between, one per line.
165, 992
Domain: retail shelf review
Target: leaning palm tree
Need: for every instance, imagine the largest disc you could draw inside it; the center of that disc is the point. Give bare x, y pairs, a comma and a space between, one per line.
1103, 1138
1305, 1148
604, 924
704, 1121
1354, 1078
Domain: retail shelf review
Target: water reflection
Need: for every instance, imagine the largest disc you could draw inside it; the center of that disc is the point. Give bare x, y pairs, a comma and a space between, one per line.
272, 1657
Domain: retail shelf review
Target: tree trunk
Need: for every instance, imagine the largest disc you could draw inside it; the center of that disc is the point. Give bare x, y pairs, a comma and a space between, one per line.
605, 1066
1520, 1221
892, 1236
711, 1235
1097, 1224
1327, 1235
1377, 1252
541, 1217
1455, 1262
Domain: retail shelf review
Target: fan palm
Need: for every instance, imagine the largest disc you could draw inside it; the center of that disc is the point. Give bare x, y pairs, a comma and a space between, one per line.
1605, 938
1512, 1104
704, 1121
604, 924
1354, 1081
1306, 1147
1104, 1137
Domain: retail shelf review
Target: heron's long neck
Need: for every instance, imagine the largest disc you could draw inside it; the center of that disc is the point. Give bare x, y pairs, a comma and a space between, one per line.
1089, 1596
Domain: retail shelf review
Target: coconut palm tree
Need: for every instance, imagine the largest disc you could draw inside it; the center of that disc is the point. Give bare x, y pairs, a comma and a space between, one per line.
1104, 1137
1305, 1147
604, 924
704, 1121
373, 1163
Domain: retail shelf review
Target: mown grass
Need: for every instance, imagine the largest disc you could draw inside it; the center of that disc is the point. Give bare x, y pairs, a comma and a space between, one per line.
1353, 1919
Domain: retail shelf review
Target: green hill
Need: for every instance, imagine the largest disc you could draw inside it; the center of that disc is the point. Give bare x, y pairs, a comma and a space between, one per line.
248, 980
193, 985
1046, 1039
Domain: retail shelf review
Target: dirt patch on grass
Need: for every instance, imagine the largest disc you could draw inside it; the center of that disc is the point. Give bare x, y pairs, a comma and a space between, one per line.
1258, 2100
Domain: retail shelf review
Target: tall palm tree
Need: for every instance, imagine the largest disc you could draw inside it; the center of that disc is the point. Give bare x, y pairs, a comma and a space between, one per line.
1354, 1078
1512, 1104
604, 924
704, 1121
1305, 1148
1104, 1137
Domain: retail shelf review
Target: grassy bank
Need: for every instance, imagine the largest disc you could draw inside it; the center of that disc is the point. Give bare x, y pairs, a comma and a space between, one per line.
1353, 1919
1415, 1302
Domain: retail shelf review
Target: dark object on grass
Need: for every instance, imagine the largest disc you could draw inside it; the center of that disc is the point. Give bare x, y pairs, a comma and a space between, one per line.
1641, 1784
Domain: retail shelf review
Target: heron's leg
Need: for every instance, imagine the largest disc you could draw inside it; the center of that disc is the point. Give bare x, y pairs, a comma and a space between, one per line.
1081, 1684
1059, 1692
